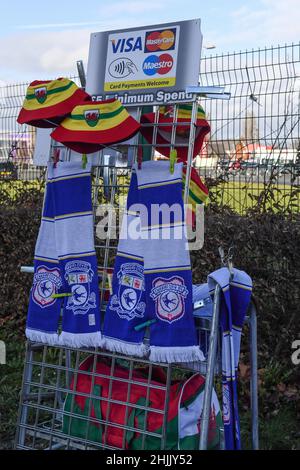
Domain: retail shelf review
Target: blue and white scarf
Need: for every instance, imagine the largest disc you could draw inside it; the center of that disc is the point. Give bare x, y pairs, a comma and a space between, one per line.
65, 263
234, 302
152, 281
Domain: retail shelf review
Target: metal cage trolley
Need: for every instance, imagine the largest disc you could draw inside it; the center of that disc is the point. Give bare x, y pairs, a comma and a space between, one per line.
51, 373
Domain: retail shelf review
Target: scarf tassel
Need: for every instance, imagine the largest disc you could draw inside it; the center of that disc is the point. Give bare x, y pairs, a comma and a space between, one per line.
81, 340
43, 337
176, 354
123, 347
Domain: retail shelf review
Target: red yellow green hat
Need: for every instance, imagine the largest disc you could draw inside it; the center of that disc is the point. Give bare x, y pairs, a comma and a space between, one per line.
184, 112
47, 102
93, 125
198, 194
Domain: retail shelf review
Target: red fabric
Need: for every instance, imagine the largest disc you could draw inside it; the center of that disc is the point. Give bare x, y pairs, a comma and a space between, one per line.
119, 391
147, 132
55, 114
93, 141
89, 141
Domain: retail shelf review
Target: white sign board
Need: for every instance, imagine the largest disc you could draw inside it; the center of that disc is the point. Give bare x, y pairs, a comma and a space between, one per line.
42, 146
146, 65
145, 59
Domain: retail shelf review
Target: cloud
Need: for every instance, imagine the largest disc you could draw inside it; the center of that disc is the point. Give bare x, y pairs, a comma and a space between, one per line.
59, 25
34, 53
264, 23
273, 22
131, 8
111, 11
46, 53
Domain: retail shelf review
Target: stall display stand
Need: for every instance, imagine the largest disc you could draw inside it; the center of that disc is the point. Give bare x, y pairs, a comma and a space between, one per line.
49, 370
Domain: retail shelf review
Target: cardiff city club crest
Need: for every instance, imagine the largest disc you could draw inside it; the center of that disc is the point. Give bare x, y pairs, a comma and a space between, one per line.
92, 117
128, 303
169, 295
41, 94
46, 282
226, 404
79, 275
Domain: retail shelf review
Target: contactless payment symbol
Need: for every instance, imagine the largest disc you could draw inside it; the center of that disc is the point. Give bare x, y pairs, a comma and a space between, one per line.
122, 67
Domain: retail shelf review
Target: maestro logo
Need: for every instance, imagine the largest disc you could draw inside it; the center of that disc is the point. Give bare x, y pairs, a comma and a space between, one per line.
163, 40
161, 64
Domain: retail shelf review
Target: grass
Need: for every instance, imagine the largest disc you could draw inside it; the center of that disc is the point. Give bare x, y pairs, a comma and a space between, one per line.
281, 431
239, 196
10, 385
13, 188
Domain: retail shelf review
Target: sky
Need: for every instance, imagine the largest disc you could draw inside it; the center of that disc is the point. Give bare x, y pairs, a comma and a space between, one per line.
40, 39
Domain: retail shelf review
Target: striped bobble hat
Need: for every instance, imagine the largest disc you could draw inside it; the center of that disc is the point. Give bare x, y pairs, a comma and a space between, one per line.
47, 102
166, 116
94, 125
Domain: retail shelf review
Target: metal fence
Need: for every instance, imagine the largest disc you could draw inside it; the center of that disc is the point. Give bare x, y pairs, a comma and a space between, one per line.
251, 159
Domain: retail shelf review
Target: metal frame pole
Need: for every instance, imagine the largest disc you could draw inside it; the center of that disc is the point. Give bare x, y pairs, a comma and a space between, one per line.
211, 362
190, 149
253, 380
25, 390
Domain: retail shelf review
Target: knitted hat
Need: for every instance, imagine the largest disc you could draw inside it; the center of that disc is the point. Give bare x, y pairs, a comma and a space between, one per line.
93, 125
182, 131
47, 102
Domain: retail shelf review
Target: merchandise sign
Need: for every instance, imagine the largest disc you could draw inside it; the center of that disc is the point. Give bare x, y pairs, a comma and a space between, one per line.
141, 59
151, 64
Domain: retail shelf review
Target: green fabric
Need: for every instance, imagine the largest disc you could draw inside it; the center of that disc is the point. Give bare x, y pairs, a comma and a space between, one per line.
51, 92
154, 443
195, 198
135, 413
192, 442
81, 117
76, 426
83, 428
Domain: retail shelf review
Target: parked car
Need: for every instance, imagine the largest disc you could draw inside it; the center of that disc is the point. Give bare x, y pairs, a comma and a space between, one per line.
8, 170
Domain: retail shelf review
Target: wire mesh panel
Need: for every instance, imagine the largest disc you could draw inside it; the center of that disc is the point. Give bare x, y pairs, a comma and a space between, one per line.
87, 399
253, 146
50, 416
252, 152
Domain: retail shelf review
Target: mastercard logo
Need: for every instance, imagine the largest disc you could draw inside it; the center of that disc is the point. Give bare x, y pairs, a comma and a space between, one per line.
160, 65
163, 40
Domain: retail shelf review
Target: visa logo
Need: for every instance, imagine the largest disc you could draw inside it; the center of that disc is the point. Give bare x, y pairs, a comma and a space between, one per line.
126, 45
